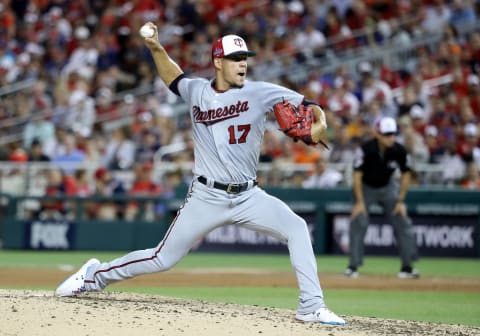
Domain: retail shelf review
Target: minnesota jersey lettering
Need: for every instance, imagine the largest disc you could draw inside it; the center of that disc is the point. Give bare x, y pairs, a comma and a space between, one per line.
222, 113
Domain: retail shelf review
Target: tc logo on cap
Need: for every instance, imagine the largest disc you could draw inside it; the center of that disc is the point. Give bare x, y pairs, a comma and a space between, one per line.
238, 42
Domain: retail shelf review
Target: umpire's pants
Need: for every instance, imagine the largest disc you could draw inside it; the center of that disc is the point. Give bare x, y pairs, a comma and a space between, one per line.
404, 233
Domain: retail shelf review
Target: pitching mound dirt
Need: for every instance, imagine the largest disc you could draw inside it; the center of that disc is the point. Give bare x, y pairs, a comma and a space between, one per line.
39, 313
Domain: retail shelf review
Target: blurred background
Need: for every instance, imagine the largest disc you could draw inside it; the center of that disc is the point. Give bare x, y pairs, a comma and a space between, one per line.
83, 113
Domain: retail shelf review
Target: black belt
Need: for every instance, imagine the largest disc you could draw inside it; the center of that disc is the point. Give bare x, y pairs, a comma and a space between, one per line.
231, 188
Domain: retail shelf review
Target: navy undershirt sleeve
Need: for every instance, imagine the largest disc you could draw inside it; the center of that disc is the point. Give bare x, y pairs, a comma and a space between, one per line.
174, 84
310, 102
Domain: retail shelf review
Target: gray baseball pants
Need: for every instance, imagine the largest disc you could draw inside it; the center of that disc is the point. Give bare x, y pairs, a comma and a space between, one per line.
386, 197
206, 209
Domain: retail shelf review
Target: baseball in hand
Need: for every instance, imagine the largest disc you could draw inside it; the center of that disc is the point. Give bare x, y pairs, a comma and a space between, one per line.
147, 31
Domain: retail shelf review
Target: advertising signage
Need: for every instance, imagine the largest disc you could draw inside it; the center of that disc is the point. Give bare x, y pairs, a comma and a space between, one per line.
446, 230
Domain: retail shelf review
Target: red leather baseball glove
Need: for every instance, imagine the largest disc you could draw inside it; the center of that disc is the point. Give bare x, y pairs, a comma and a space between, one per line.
296, 122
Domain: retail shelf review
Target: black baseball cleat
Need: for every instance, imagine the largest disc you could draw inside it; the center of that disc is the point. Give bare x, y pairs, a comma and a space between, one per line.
407, 272
351, 272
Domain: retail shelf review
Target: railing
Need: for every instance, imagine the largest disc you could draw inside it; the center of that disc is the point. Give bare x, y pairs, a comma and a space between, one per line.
73, 222
30, 178
15, 87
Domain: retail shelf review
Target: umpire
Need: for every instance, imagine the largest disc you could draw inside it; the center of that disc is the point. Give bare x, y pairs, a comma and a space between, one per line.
373, 182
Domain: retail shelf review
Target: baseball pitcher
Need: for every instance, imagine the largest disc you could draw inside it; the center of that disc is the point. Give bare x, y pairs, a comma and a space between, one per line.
228, 116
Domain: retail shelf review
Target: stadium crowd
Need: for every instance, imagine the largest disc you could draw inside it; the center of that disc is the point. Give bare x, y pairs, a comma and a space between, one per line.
94, 95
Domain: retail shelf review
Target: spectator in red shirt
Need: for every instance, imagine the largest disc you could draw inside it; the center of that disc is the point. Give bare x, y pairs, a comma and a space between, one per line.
144, 186
356, 18
472, 180
459, 84
106, 185
336, 30
83, 187
58, 184
474, 93
468, 144
17, 153
106, 108
7, 20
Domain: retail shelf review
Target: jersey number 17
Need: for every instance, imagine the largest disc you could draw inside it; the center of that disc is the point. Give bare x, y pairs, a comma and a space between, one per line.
239, 135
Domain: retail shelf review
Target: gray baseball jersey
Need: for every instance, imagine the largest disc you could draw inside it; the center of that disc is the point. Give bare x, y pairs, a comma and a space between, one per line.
228, 126
228, 130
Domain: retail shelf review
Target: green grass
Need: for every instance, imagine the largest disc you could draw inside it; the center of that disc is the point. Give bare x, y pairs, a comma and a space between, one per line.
453, 307
437, 307
445, 267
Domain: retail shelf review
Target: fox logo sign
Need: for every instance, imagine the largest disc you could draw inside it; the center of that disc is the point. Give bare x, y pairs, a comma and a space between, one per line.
49, 235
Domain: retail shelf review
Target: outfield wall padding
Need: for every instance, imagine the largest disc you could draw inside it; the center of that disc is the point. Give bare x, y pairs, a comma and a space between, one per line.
446, 221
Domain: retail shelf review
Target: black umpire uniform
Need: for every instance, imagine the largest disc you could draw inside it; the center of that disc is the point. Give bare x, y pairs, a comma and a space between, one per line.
373, 182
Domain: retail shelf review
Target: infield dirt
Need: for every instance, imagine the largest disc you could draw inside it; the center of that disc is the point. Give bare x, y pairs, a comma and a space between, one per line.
39, 313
